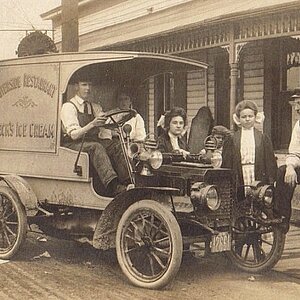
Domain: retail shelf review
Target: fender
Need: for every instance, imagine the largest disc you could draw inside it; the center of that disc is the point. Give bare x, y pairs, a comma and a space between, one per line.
105, 231
24, 192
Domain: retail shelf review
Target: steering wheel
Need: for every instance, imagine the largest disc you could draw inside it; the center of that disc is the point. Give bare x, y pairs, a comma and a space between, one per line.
127, 114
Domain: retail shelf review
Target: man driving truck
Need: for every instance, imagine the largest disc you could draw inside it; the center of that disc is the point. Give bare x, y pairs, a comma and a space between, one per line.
82, 118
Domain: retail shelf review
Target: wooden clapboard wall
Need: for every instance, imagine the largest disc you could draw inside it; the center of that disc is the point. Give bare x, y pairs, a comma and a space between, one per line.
196, 85
252, 76
211, 57
129, 16
196, 92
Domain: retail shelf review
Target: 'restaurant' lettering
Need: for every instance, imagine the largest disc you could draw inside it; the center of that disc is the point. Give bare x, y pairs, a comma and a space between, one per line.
40, 83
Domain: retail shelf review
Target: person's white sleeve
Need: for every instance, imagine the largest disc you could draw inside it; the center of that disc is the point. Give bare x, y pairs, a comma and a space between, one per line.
103, 132
69, 118
139, 131
293, 158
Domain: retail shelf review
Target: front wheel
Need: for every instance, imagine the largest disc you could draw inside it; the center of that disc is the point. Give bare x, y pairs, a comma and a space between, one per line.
13, 223
256, 248
149, 244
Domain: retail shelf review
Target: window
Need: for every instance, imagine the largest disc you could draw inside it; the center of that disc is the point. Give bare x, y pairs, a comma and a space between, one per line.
293, 71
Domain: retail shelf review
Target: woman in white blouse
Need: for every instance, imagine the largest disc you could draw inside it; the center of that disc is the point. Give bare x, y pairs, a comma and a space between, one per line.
249, 152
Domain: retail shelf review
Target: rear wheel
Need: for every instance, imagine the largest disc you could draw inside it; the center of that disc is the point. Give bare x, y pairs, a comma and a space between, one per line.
13, 223
149, 244
256, 248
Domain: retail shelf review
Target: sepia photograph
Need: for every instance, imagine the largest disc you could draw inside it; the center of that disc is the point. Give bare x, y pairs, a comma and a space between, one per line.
150, 149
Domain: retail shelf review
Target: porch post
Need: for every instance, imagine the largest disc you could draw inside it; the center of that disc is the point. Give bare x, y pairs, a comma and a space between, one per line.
233, 62
234, 51
233, 90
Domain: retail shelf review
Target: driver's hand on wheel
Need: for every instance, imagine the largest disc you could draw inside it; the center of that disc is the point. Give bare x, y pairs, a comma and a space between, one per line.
99, 121
290, 177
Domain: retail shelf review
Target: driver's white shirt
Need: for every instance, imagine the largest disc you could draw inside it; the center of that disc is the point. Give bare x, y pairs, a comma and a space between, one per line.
69, 117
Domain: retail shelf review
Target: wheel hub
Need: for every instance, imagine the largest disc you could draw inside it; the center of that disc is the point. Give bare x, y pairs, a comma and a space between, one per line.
252, 235
147, 241
252, 238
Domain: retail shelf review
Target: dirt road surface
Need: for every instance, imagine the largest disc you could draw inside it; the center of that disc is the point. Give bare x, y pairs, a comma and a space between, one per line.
76, 271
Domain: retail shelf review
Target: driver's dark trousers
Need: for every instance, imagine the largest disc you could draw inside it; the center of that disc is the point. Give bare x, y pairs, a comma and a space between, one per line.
284, 194
106, 157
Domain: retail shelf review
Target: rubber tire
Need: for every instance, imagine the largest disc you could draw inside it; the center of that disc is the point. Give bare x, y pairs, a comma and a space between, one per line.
22, 221
266, 265
175, 237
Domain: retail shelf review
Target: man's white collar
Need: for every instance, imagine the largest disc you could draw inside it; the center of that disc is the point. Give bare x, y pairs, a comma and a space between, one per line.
79, 99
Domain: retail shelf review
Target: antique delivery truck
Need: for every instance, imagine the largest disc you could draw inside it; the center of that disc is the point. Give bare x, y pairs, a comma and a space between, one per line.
175, 204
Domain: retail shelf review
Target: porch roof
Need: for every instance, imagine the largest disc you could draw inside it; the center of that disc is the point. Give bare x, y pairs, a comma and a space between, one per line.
209, 9
133, 20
